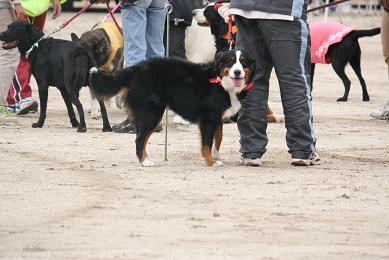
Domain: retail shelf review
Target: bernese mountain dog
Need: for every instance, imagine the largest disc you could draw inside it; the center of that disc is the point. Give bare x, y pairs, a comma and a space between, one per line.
200, 93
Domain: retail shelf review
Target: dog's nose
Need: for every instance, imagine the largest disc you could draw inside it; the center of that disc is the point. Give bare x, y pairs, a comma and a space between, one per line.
237, 73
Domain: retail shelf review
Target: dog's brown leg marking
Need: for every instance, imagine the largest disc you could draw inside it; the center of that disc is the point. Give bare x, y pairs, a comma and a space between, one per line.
218, 137
144, 153
207, 155
271, 118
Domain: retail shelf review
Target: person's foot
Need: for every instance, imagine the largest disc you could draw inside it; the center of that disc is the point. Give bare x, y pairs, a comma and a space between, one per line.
314, 160
27, 105
254, 162
380, 113
4, 111
126, 126
13, 108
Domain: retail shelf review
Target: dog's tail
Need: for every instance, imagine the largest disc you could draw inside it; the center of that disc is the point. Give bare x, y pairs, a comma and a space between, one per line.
107, 84
363, 33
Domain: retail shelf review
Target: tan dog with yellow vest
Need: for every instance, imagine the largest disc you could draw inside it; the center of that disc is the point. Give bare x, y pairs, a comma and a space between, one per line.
105, 44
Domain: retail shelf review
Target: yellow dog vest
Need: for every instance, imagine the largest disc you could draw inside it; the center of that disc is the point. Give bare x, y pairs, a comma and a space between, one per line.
116, 39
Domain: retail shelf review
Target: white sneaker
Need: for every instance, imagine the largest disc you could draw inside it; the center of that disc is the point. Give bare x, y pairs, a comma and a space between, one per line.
314, 160
255, 162
27, 105
380, 113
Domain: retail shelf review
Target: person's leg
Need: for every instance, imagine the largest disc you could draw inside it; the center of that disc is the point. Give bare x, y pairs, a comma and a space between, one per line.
289, 46
8, 62
20, 89
156, 16
134, 30
177, 40
252, 122
382, 112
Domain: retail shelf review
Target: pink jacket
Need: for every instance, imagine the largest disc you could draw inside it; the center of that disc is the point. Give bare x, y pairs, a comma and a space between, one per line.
323, 35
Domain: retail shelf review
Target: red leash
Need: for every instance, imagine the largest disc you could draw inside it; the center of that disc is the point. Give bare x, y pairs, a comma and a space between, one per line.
73, 17
113, 18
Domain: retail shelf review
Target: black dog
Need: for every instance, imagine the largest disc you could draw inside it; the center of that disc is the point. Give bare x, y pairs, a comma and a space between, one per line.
187, 89
344, 50
54, 62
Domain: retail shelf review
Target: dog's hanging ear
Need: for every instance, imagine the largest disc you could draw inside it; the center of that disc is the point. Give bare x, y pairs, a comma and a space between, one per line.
74, 37
250, 64
218, 63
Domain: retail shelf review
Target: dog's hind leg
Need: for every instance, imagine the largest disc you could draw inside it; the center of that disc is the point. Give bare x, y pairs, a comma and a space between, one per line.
104, 114
339, 69
43, 95
218, 141
82, 126
145, 122
69, 107
208, 131
355, 63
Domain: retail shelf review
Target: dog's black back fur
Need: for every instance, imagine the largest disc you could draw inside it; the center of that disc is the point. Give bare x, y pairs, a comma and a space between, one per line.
60, 63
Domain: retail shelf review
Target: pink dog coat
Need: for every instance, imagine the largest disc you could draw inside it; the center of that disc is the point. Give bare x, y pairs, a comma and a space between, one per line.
323, 35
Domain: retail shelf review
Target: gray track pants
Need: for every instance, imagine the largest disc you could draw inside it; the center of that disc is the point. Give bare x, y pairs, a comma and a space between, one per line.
9, 59
284, 45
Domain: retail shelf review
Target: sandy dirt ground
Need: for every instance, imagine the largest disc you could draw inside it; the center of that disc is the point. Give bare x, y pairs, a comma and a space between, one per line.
65, 195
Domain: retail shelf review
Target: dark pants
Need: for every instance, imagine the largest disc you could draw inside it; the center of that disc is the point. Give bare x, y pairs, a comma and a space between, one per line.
177, 40
284, 45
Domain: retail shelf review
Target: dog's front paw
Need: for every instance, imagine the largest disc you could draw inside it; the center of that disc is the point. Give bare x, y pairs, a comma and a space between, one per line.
218, 164
148, 163
365, 99
81, 129
37, 125
342, 99
107, 129
216, 155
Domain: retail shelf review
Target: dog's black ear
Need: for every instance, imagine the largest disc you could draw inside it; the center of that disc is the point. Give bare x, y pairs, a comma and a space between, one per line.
250, 63
218, 63
74, 37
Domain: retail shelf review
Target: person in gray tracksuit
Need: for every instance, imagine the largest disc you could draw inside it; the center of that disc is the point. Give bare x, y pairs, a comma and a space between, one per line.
276, 33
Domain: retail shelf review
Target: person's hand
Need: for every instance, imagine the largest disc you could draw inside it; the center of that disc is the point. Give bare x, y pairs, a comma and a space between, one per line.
56, 9
19, 13
224, 11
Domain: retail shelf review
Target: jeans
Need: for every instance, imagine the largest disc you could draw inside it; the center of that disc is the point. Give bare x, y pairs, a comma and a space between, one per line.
143, 27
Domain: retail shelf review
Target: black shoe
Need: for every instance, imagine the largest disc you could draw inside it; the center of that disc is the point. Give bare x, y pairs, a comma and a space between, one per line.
158, 128
125, 126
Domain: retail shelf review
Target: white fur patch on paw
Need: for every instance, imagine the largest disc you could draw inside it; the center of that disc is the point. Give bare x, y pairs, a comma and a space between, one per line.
216, 155
93, 70
218, 164
148, 163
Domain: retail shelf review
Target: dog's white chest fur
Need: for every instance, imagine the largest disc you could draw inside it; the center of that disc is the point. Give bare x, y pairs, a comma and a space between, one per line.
235, 106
